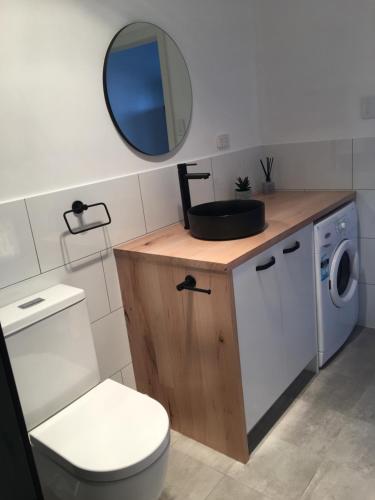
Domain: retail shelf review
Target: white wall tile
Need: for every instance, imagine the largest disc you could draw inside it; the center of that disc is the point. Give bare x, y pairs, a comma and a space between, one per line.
161, 197
123, 197
253, 156
111, 343
367, 262
226, 168
313, 165
366, 305
56, 246
18, 260
161, 193
85, 273
117, 377
128, 376
111, 279
366, 213
364, 163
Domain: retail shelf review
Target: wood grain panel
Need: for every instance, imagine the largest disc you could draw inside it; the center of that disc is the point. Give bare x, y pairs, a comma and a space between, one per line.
286, 212
185, 351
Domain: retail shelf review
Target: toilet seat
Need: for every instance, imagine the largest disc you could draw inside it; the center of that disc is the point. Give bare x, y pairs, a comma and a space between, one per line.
110, 433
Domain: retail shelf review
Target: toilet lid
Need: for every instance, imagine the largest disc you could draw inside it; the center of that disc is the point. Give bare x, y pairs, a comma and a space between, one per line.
110, 433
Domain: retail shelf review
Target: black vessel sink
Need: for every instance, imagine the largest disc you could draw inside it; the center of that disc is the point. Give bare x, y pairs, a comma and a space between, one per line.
227, 220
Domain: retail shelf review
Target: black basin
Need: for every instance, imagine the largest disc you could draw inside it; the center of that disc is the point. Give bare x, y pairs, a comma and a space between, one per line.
227, 220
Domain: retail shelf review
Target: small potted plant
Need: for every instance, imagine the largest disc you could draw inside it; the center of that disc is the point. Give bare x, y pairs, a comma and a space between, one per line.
268, 186
243, 189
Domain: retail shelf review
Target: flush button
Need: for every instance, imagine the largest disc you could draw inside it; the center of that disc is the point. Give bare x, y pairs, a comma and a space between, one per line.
31, 303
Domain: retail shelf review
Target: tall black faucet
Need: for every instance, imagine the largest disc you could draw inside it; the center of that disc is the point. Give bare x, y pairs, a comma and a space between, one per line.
184, 178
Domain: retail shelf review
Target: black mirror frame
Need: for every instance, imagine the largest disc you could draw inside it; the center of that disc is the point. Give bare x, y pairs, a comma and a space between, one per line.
133, 147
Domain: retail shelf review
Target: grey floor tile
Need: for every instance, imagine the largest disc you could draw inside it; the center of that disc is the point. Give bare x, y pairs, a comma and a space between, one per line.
334, 390
277, 469
357, 359
363, 338
188, 479
175, 436
357, 355
204, 454
310, 426
365, 407
322, 449
355, 445
229, 489
335, 481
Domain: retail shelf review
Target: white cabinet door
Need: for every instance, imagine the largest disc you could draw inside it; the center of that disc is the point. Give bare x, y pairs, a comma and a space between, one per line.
260, 333
297, 291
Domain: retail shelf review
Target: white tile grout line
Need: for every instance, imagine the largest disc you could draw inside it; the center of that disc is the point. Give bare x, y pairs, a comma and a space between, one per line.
106, 316
105, 282
221, 479
352, 163
213, 179
146, 171
65, 264
120, 372
73, 261
53, 269
32, 234
142, 203
147, 232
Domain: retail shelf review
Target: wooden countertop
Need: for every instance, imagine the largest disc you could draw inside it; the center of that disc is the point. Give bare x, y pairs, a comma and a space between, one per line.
286, 212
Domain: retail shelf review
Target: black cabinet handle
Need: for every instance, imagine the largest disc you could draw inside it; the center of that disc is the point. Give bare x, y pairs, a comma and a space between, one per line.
266, 266
190, 284
293, 248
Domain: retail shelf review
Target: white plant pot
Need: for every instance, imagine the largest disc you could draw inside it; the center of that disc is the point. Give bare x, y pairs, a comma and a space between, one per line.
242, 195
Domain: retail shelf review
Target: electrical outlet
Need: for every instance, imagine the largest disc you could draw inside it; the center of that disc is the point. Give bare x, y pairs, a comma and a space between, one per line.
223, 142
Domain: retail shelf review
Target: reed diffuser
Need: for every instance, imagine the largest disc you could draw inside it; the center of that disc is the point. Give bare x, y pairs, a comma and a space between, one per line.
268, 186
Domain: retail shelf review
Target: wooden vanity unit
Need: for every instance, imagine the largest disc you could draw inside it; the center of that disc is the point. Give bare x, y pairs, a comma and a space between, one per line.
217, 362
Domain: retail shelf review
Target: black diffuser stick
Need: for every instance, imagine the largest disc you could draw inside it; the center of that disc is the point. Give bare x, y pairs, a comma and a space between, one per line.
264, 169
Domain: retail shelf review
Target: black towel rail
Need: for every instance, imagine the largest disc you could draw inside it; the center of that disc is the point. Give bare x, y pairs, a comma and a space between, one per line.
78, 208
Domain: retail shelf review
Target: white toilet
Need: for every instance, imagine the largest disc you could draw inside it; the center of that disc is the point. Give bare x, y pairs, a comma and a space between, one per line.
91, 440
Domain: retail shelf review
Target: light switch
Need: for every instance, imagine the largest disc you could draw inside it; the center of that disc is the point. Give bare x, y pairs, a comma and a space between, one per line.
368, 107
223, 142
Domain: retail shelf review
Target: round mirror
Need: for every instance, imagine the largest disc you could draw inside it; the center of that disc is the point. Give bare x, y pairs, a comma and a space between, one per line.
147, 89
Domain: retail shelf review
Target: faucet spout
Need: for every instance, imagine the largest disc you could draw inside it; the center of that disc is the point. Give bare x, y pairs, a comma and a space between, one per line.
198, 176
184, 177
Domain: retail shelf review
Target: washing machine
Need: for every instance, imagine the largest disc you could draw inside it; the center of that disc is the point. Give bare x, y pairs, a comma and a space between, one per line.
337, 274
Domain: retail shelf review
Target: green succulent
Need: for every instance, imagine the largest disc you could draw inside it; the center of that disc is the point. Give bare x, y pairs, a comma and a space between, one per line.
243, 184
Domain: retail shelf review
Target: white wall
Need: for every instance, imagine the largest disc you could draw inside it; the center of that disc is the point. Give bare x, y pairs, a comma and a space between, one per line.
37, 251
315, 60
55, 128
347, 164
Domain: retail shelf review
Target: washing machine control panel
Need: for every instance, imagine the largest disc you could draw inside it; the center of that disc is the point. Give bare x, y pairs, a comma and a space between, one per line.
341, 226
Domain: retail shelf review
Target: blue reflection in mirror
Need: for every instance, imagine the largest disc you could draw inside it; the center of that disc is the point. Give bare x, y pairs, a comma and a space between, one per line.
135, 93
148, 89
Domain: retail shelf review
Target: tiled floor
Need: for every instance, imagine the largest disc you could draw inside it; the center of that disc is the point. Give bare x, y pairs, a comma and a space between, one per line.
322, 449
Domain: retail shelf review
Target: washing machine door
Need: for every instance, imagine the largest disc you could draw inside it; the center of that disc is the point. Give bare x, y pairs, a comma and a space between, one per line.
344, 273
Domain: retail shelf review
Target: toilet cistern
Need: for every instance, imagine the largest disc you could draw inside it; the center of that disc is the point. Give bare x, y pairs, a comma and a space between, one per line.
91, 440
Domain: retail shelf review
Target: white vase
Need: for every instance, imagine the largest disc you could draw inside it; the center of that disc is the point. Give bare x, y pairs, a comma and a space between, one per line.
242, 195
268, 187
